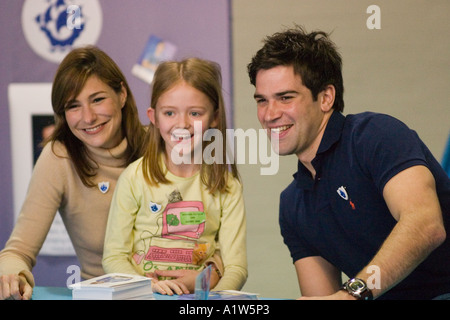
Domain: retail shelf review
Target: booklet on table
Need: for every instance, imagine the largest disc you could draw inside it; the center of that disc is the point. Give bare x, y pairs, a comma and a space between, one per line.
113, 286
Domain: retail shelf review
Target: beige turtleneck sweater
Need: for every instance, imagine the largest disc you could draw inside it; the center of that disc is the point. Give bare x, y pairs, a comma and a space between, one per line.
55, 186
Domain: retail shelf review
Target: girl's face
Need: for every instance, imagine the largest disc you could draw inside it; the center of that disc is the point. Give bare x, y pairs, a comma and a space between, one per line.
95, 115
179, 111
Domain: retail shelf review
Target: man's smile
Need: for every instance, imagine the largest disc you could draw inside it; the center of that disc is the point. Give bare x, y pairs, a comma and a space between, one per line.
280, 129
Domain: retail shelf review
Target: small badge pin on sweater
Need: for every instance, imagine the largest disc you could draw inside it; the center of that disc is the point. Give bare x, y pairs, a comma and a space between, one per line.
103, 186
154, 207
342, 192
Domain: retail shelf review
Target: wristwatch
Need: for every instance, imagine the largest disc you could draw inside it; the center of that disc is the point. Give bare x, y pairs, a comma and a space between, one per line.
358, 289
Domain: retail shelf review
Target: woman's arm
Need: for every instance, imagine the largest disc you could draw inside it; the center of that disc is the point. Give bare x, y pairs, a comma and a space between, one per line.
42, 201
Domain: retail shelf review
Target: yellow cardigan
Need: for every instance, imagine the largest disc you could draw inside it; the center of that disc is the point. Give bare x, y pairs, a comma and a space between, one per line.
175, 226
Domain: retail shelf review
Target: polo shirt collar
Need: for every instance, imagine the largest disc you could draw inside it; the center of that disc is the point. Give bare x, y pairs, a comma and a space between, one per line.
331, 136
332, 132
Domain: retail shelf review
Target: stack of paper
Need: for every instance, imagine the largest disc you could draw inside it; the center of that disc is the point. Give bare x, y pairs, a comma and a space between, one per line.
113, 286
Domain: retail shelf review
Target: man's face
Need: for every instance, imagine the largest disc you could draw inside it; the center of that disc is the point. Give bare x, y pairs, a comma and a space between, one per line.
286, 108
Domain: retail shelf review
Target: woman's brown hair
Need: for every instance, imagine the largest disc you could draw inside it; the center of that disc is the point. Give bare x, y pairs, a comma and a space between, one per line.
73, 72
206, 77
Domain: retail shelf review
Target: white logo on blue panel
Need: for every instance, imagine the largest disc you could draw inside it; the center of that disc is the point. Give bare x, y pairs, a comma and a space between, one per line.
53, 27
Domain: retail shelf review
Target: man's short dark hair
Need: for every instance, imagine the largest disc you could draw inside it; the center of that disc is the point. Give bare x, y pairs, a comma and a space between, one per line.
313, 55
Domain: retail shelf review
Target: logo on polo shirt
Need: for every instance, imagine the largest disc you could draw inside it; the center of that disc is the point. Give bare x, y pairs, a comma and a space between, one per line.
342, 192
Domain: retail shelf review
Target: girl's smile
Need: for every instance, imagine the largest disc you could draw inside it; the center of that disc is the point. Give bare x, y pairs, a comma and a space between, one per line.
180, 135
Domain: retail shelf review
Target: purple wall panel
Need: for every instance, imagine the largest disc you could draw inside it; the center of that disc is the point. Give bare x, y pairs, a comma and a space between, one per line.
198, 28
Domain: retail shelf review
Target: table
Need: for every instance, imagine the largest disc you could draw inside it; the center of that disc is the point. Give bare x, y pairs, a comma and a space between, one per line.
63, 293
176, 307
51, 293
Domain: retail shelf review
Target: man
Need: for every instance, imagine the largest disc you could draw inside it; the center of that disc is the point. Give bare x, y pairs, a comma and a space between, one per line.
368, 199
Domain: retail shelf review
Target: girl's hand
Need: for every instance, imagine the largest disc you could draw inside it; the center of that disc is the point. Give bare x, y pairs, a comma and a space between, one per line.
183, 280
169, 287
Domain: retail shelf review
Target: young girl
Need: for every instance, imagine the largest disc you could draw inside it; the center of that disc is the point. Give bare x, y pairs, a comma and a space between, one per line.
171, 214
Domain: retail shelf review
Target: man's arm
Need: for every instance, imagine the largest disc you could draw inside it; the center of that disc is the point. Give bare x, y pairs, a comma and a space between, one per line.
413, 202
317, 277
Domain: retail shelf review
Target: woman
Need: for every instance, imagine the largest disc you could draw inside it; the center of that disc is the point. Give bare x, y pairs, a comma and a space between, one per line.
97, 134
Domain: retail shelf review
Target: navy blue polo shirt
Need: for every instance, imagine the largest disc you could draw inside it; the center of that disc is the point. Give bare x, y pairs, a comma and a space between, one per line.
341, 214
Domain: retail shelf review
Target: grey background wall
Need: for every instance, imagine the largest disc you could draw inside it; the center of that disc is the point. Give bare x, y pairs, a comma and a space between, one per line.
400, 69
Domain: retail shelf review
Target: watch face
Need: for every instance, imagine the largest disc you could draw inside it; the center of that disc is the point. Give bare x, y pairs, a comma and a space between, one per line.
358, 288
357, 285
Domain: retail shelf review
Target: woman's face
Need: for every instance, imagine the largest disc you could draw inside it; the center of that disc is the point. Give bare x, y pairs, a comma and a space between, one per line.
95, 115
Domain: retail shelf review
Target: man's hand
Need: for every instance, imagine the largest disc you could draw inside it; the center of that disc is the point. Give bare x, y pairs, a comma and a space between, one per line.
14, 287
